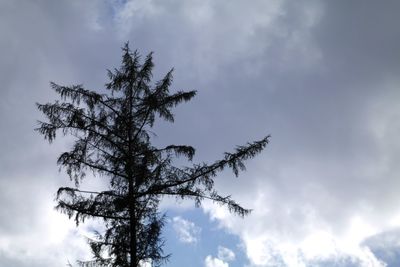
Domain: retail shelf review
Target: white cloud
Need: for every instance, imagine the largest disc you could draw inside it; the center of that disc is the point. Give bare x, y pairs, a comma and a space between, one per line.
145, 263
53, 240
214, 262
186, 230
225, 254
283, 245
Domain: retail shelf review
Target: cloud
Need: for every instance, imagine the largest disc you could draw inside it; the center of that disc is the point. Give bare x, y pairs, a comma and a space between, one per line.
186, 230
386, 246
225, 254
321, 77
145, 263
318, 194
32, 232
338, 164
214, 262
52, 240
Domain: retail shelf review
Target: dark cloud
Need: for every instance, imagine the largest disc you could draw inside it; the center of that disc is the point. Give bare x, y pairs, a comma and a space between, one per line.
321, 77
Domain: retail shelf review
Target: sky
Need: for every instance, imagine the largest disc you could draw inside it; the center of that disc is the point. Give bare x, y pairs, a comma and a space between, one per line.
321, 77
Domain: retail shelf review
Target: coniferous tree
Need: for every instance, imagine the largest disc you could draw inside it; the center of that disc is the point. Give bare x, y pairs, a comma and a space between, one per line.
112, 139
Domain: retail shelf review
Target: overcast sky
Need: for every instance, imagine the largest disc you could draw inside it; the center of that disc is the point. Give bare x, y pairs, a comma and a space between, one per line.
322, 77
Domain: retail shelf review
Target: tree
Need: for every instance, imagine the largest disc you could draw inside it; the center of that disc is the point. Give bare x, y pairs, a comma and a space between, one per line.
112, 139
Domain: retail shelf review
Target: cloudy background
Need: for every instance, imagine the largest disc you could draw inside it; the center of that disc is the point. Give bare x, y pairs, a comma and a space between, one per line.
322, 77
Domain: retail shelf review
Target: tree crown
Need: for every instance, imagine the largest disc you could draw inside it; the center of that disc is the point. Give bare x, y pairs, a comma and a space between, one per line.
112, 139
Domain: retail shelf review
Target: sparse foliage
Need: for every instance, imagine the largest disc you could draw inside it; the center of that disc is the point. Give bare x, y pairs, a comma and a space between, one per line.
112, 139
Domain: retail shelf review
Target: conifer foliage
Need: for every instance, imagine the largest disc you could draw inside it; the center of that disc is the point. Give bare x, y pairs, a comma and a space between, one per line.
113, 140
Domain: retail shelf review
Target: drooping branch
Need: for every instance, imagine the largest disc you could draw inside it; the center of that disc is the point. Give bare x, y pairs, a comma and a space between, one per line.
205, 172
77, 93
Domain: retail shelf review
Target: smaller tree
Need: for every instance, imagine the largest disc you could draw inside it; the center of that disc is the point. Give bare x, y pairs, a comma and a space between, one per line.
112, 139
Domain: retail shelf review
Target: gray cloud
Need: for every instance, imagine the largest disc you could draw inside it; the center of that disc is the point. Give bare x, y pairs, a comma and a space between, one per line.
321, 77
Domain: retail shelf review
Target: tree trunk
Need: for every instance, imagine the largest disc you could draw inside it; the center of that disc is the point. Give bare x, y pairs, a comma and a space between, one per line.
133, 235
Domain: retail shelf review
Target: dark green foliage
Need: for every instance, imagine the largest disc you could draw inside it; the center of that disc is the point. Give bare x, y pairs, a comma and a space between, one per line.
112, 140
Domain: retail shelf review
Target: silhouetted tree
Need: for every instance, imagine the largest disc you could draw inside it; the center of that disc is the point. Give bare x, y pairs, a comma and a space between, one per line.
112, 139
